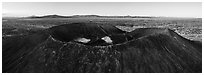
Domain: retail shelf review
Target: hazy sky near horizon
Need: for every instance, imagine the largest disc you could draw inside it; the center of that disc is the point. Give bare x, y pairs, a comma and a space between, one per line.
170, 9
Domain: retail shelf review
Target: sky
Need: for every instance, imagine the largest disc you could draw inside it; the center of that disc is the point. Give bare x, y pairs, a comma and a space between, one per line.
167, 9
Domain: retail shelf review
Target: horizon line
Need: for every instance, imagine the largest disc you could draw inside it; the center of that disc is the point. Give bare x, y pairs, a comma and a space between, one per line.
100, 15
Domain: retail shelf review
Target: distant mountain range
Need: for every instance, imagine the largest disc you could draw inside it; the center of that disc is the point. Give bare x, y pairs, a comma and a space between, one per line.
79, 16
93, 16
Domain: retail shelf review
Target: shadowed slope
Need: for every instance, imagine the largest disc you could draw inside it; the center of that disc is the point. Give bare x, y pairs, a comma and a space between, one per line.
150, 50
16, 50
163, 51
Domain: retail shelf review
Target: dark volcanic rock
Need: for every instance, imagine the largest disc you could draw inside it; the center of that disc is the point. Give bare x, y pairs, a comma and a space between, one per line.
144, 50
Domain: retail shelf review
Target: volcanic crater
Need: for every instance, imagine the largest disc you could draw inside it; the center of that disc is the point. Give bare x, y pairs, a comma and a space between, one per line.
89, 47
